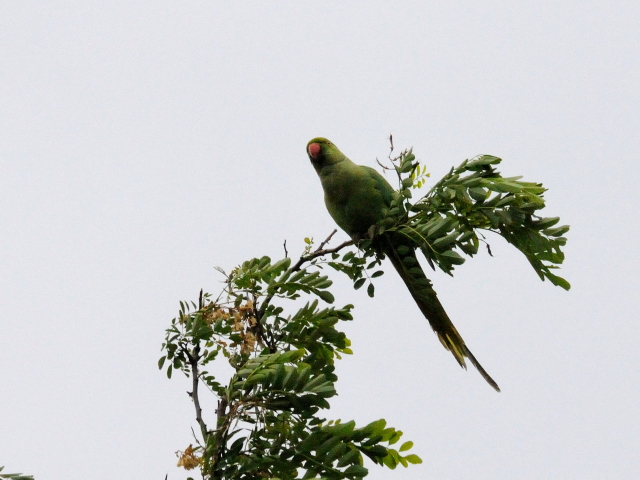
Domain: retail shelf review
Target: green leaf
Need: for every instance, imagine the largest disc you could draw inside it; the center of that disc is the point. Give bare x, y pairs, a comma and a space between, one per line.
481, 161
358, 283
406, 446
441, 225
236, 337
403, 250
443, 242
557, 232
376, 451
479, 194
327, 445
311, 442
340, 429
397, 435
388, 433
390, 461
559, 281
313, 382
545, 222
348, 458
337, 451
413, 458
356, 471
371, 290
453, 257
292, 355
326, 296
291, 379
375, 428
281, 265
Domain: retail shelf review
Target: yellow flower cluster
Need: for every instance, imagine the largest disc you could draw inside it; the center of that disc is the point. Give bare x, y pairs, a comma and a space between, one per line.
243, 319
188, 459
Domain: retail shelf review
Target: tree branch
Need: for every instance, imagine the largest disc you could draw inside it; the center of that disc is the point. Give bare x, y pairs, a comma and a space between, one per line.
220, 433
320, 251
326, 240
193, 361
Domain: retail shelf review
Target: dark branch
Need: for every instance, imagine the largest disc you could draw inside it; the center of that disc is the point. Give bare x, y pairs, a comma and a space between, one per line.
222, 425
320, 251
383, 166
193, 361
327, 240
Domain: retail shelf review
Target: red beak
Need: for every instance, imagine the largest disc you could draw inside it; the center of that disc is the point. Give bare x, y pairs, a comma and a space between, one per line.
314, 150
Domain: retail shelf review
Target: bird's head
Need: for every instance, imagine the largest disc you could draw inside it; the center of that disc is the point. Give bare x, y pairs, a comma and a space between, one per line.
322, 152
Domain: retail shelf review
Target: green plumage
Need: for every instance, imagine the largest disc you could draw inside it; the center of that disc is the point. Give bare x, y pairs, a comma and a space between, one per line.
355, 197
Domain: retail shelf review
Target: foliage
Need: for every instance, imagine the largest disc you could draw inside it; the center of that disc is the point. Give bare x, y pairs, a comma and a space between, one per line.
268, 417
14, 476
473, 197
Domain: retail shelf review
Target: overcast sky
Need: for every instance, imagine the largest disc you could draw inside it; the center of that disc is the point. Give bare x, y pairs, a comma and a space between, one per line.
144, 143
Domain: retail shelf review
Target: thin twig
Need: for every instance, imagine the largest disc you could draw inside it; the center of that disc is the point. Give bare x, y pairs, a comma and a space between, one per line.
326, 240
383, 165
193, 361
320, 251
286, 254
260, 330
195, 437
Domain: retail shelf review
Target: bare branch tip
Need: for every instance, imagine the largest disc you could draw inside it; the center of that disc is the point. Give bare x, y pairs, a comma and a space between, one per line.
326, 240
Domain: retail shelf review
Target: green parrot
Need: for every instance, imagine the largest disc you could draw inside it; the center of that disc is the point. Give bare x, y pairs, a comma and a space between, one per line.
355, 196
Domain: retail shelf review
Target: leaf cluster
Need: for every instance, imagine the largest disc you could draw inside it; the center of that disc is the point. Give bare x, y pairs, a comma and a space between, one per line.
448, 221
268, 414
356, 265
14, 476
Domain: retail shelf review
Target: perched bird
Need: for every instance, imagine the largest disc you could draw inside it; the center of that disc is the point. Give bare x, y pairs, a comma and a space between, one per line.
355, 196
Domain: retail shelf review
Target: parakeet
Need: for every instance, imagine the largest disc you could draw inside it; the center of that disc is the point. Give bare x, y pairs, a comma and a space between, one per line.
355, 196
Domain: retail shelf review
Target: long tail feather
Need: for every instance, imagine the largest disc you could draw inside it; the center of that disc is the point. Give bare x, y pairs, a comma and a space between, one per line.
405, 262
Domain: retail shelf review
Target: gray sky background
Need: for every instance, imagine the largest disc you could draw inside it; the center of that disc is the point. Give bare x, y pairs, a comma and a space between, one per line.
144, 143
